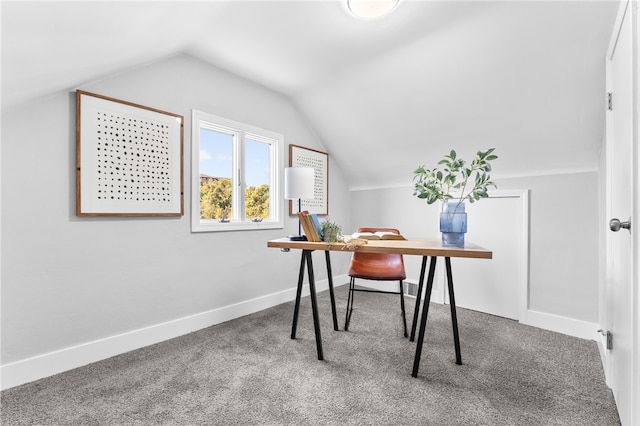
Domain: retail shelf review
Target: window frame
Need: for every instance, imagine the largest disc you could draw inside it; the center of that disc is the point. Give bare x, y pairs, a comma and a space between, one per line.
240, 132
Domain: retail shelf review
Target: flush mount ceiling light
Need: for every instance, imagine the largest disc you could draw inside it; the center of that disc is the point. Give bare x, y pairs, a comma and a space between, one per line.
371, 9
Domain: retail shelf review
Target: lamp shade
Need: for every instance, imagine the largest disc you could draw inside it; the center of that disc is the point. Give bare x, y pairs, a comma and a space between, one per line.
299, 183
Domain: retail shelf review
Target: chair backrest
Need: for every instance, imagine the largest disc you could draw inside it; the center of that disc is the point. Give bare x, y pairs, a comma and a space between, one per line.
377, 266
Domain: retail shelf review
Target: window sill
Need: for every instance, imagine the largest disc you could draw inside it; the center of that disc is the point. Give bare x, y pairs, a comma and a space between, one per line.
217, 226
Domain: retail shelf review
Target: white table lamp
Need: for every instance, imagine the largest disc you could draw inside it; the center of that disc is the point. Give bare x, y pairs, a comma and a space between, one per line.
299, 184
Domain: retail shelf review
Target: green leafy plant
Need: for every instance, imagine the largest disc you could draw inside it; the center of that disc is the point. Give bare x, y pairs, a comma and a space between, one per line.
454, 178
332, 232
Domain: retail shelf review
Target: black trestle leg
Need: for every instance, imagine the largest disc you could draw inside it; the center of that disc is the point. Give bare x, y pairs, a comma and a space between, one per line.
418, 297
404, 318
314, 304
347, 318
454, 316
298, 295
331, 293
423, 319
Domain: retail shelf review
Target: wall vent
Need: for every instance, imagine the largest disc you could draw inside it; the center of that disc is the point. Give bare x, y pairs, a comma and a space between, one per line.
410, 289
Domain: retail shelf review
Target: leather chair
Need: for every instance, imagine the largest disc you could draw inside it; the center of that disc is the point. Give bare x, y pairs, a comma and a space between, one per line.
379, 267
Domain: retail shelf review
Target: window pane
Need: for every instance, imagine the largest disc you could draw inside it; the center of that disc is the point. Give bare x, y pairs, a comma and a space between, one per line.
257, 178
236, 169
216, 174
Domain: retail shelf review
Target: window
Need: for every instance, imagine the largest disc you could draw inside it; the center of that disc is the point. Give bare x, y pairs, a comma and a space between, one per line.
235, 175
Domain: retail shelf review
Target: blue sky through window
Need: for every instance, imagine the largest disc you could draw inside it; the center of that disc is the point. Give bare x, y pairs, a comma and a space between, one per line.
216, 157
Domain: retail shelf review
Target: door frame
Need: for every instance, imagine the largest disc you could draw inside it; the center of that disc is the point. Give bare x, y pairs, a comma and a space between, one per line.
605, 317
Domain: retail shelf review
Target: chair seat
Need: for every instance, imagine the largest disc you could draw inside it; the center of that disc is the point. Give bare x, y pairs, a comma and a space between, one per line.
377, 266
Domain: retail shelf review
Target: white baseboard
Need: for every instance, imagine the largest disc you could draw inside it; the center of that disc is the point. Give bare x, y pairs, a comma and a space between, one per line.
436, 295
559, 324
605, 357
564, 325
572, 327
41, 366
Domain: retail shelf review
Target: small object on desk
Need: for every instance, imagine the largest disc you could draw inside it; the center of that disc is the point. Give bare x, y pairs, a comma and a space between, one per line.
309, 228
316, 223
354, 243
380, 235
297, 238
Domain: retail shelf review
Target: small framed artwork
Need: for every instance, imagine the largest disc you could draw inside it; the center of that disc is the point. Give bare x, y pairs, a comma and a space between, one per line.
129, 159
319, 161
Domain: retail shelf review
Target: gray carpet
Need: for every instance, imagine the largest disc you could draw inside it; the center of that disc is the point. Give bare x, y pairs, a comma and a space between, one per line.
248, 371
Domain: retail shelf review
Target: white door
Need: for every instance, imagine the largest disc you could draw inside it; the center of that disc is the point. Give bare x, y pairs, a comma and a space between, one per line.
494, 286
619, 287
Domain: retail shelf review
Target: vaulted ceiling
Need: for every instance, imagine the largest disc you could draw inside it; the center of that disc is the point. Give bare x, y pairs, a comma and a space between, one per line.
383, 96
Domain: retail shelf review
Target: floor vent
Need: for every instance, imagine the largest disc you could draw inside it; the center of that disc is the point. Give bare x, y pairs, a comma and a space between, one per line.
410, 289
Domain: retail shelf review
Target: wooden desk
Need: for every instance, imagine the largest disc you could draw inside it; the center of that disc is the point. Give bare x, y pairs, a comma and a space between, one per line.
420, 247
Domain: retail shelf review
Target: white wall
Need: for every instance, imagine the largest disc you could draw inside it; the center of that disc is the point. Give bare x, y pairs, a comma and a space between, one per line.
69, 281
564, 226
563, 245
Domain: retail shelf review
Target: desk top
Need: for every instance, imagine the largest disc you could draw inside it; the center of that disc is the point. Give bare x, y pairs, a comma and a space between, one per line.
420, 247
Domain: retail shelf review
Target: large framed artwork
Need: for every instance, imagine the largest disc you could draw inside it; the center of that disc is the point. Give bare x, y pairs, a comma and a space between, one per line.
129, 159
319, 161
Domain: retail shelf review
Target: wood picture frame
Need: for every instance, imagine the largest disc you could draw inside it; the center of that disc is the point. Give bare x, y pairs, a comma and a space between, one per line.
129, 158
300, 156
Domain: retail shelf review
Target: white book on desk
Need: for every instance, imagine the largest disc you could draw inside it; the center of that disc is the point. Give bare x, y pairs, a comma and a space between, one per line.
380, 235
